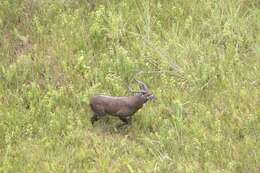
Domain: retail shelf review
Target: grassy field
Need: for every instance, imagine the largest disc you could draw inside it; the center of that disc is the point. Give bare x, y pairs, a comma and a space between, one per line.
200, 58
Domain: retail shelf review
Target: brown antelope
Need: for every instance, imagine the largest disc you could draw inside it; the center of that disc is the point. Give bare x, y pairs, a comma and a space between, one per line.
122, 107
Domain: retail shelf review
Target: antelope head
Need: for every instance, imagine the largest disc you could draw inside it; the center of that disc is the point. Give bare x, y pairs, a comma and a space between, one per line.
144, 91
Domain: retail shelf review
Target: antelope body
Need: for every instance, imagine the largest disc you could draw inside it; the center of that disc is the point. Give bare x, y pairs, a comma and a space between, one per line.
122, 107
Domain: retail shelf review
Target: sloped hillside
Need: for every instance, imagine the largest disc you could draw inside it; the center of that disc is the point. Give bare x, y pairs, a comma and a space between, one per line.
200, 59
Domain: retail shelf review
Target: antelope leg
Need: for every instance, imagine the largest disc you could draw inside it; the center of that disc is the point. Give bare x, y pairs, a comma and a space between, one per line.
126, 120
94, 118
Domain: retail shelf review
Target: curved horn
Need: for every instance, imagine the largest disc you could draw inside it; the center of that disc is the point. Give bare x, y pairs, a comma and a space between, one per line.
143, 85
130, 89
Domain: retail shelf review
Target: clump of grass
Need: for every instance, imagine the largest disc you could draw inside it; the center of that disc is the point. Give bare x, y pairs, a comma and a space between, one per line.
200, 59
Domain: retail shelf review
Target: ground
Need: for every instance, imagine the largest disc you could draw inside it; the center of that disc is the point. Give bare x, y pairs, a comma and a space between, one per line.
199, 58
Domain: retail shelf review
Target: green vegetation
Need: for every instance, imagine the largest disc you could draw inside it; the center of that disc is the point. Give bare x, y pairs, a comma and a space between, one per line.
200, 58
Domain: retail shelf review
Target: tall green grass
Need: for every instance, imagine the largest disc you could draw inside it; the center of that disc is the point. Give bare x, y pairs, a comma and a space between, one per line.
200, 58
